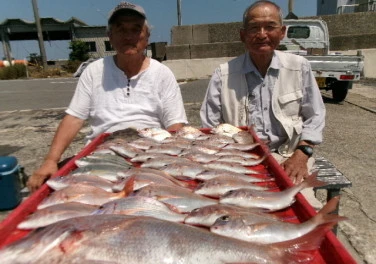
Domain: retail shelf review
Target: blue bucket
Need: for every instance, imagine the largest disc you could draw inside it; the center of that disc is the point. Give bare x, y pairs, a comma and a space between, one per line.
10, 185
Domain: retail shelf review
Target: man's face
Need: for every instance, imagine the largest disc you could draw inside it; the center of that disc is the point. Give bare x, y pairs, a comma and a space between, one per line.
129, 35
263, 31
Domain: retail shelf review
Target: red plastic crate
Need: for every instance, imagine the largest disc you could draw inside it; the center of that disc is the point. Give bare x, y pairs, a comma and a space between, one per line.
331, 251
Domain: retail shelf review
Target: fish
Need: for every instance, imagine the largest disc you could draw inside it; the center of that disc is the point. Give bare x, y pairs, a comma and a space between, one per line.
147, 240
189, 132
102, 159
225, 129
156, 133
126, 150
61, 182
143, 143
271, 201
242, 161
220, 185
213, 173
201, 148
83, 194
235, 152
184, 170
220, 139
183, 199
200, 157
229, 167
108, 172
243, 137
163, 161
144, 178
141, 206
242, 147
143, 157
207, 215
165, 149
55, 213
264, 231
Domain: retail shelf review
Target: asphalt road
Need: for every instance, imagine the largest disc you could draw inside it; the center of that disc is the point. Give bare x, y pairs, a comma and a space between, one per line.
31, 110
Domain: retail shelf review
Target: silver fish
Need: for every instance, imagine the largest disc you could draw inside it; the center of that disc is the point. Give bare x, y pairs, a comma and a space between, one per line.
165, 149
101, 239
235, 152
161, 162
184, 170
108, 172
264, 231
242, 161
272, 201
213, 173
126, 150
55, 213
189, 132
230, 167
243, 137
183, 199
61, 182
200, 157
81, 193
156, 133
225, 129
220, 185
207, 215
104, 159
143, 143
141, 206
242, 147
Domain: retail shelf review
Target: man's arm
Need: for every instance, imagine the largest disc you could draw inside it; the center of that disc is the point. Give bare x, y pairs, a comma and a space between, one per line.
210, 112
64, 135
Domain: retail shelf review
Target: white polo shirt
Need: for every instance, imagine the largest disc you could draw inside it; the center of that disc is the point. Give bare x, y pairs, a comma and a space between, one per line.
112, 102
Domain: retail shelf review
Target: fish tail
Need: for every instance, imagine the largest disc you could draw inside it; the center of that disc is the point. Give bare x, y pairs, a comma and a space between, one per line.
312, 181
324, 216
128, 187
303, 249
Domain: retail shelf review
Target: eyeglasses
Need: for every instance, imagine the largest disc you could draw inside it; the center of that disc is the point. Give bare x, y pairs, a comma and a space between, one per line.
254, 29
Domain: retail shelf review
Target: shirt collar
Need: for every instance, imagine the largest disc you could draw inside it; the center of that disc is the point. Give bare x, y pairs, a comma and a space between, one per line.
248, 65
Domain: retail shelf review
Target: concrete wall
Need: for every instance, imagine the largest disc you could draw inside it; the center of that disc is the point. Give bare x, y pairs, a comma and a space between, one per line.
346, 31
203, 68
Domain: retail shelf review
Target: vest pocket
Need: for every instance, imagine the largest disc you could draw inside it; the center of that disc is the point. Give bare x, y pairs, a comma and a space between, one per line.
290, 103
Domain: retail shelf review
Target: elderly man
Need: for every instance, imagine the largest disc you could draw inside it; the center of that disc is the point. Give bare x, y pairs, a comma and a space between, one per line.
274, 91
120, 91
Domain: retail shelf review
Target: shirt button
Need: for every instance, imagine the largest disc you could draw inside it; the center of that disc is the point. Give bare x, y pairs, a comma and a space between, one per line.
263, 85
265, 108
267, 130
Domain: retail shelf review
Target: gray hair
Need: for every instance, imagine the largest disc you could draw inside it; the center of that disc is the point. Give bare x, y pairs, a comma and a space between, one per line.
261, 3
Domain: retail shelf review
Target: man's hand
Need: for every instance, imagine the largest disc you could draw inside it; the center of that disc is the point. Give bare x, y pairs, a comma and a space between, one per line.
48, 168
296, 167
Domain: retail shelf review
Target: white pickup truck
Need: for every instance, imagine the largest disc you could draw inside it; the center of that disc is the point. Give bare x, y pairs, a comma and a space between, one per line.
310, 38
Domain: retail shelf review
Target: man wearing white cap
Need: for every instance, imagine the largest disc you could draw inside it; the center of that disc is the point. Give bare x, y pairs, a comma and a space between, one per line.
120, 91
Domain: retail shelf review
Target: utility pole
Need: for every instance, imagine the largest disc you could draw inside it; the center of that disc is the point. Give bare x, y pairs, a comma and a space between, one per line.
179, 12
40, 34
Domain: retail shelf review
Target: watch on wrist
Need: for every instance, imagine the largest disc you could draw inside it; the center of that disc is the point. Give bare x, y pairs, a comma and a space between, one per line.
308, 150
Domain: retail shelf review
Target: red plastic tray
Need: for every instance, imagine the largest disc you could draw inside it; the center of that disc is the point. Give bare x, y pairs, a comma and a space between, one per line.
331, 251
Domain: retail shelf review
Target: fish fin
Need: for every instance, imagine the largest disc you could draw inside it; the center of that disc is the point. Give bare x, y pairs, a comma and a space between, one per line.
172, 208
303, 249
324, 216
312, 181
128, 187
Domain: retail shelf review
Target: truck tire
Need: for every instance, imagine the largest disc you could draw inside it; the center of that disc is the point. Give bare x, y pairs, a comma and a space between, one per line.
340, 89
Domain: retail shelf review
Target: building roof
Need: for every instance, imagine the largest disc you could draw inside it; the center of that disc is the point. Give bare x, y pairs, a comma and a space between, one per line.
53, 29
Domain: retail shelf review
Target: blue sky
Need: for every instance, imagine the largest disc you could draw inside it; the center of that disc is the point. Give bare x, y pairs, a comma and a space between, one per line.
162, 15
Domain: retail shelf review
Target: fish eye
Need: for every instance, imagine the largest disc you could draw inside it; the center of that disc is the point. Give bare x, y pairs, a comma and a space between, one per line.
100, 207
225, 218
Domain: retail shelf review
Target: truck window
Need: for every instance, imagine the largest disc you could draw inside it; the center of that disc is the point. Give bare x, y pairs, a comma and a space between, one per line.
297, 32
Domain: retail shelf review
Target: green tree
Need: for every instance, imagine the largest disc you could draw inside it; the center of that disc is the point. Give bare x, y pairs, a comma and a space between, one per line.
80, 51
